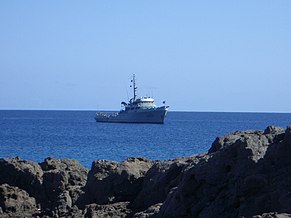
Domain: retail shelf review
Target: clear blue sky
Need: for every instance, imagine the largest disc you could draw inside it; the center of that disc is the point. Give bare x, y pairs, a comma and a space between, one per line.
196, 55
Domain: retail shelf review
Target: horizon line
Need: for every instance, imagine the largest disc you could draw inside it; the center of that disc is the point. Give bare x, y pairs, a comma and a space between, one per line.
185, 111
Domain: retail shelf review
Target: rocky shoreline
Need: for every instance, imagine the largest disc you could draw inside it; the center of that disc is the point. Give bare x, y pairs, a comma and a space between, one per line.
244, 174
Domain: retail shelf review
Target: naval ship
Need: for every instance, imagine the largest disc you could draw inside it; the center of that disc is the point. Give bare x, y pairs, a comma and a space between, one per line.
137, 110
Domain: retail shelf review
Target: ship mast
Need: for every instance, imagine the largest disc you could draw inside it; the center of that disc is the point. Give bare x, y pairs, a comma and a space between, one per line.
134, 87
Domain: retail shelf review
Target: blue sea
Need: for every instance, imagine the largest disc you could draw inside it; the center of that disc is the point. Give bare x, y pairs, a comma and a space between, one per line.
35, 135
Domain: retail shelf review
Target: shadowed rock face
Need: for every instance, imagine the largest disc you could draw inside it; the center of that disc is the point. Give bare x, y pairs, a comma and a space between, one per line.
15, 200
55, 185
244, 174
240, 178
26, 175
62, 184
110, 182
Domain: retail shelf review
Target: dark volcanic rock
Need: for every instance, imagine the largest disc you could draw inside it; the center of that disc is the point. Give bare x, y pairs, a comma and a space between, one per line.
55, 184
76, 174
62, 183
158, 181
244, 174
237, 180
17, 201
110, 181
24, 174
115, 210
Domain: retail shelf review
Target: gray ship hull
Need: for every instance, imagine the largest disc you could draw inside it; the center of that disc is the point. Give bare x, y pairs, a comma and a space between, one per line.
153, 115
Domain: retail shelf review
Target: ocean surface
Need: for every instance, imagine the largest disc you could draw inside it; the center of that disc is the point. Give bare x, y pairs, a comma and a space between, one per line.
35, 135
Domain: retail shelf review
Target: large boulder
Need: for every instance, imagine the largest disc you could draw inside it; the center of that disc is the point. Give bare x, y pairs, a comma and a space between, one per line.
241, 177
110, 182
26, 175
16, 202
63, 180
76, 174
158, 182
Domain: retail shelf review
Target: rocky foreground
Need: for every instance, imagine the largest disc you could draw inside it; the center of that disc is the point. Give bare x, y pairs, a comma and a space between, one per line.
244, 174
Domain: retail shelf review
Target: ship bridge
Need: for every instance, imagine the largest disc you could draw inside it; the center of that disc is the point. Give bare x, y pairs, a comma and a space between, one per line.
145, 102
142, 103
